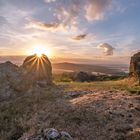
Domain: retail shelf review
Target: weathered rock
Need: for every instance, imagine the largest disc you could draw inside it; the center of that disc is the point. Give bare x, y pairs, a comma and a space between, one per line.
34, 70
135, 66
53, 134
38, 68
11, 78
8, 71
49, 134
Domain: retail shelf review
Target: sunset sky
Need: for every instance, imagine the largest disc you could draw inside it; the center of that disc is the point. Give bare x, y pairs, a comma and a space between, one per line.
98, 30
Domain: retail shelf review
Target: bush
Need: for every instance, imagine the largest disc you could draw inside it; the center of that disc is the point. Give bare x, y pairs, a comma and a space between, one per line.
82, 77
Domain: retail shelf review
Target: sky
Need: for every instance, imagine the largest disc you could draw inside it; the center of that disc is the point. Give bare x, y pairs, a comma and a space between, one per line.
101, 31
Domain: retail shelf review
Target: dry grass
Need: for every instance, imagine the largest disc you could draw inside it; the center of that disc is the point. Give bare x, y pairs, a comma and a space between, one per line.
15, 113
126, 84
86, 117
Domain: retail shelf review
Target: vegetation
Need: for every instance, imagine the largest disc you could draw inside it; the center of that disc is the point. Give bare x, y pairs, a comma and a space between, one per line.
105, 85
84, 77
47, 107
17, 111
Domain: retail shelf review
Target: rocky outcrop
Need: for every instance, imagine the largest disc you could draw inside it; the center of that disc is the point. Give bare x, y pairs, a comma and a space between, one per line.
11, 80
8, 72
34, 71
38, 68
49, 134
135, 66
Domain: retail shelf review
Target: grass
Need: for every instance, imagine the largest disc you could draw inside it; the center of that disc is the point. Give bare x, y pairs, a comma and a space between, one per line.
104, 85
15, 113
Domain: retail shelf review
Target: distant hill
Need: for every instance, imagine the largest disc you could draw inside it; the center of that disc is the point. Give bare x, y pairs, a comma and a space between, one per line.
71, 67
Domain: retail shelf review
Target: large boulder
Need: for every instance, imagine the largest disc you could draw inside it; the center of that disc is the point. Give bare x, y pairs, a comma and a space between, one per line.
38, 68
12, 76
134, 70
8, 72
11, 80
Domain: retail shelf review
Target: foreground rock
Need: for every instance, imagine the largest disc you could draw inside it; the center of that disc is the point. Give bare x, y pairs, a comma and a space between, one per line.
135, 66
34, 71
11, 80
38, 68
50, 134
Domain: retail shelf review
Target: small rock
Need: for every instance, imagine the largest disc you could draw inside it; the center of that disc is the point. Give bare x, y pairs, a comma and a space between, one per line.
49, 134
53, 134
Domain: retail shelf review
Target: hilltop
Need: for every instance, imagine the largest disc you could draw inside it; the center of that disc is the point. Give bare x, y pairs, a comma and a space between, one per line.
87, 111
33, 100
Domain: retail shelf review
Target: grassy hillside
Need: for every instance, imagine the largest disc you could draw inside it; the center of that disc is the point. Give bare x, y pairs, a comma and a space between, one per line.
82, 109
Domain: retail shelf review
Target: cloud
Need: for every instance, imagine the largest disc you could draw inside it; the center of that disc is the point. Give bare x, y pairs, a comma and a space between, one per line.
79, 37
68, 16
95, 9
69, 12
41, 25
44, 26
50, 1
108, 49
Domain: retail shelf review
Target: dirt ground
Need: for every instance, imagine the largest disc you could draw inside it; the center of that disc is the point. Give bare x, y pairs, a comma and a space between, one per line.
91, 114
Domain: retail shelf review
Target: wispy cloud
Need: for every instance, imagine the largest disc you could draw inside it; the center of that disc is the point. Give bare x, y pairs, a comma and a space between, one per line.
41, 25
67, 14
50, 1
80, 37
69, 11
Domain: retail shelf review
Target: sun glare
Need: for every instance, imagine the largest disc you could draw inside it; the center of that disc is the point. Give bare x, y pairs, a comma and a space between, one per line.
39, 50
39, 55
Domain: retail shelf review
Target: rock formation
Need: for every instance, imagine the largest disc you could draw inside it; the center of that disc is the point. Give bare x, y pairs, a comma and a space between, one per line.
12, 78
135, 66
34, 70
38, 68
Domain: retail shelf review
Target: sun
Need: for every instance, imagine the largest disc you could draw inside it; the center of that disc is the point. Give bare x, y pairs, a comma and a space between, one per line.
39, 50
